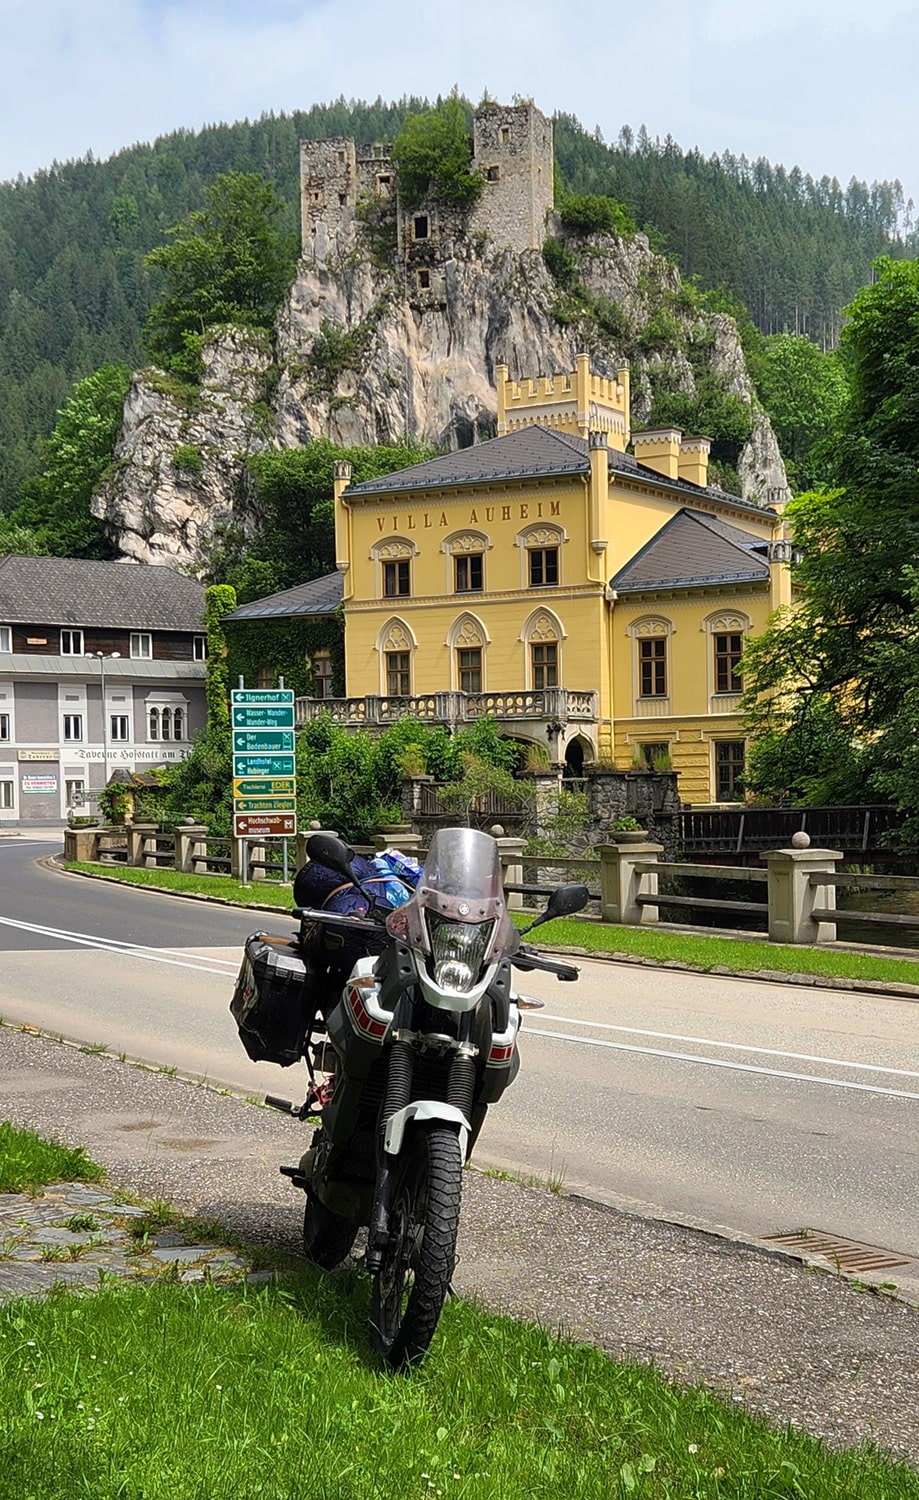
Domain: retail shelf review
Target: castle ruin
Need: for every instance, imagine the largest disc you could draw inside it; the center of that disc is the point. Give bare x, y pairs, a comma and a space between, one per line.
511, 148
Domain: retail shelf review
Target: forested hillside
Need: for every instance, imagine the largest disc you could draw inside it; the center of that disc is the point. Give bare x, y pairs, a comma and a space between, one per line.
793, 250
74, 288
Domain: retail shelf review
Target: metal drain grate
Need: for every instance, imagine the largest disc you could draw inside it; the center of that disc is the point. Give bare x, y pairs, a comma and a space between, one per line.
846, 1255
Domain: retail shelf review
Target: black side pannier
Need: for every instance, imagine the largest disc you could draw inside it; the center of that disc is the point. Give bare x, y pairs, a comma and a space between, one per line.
274, 1002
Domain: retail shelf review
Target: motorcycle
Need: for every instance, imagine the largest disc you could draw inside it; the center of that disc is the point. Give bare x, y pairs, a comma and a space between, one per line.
418, 1043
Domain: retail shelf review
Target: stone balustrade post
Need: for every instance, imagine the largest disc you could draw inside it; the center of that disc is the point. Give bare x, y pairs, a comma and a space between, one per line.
792, 899
191, 848
621, 883
142, 844
546, 787
256, 852
82, 845
411, 796
398, 836
510, 852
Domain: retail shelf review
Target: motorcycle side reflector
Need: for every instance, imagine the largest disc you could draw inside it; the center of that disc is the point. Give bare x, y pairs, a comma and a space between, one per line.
501, 1052
365, 1021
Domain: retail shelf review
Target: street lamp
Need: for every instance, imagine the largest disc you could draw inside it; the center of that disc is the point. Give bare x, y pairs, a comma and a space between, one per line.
101, 656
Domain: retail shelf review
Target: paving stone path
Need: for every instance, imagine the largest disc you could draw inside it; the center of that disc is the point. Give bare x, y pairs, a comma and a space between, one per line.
75, 1235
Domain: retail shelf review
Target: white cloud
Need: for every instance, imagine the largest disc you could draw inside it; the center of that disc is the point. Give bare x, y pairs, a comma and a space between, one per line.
820, 82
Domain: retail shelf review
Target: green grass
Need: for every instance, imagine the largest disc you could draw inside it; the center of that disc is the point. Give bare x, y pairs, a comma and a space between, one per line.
260, 892
735, 954
206, 1393
28, 1163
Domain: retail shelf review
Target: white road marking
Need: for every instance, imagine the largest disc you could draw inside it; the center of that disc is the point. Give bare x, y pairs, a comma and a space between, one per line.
182, 959
704, 1041
176, 957
717, 1062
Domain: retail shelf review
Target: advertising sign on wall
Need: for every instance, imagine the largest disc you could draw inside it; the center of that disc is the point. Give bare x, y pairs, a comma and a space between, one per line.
39, 784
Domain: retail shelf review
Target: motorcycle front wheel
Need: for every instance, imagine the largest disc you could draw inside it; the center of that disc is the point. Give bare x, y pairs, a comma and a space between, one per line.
411, 1286
327, 1237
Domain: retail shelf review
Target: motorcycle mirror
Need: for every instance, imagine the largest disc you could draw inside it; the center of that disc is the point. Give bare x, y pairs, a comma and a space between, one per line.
564, 901
325, 849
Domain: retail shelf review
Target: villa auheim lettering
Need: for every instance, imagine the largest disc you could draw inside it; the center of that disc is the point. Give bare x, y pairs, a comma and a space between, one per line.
534, 510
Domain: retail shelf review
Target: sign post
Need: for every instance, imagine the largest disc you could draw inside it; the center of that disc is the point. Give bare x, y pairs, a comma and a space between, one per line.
264, 767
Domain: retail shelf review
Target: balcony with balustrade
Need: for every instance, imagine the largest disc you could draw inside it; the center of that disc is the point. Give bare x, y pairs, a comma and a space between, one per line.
532, 714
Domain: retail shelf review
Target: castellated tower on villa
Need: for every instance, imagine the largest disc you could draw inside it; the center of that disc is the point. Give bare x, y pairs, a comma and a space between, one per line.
512, 148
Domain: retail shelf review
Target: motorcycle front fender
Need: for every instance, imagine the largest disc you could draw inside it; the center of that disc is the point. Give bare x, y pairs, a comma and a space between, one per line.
424, 1109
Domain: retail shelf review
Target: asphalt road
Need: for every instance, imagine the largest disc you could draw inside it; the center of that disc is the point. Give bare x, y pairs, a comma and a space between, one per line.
758, 1108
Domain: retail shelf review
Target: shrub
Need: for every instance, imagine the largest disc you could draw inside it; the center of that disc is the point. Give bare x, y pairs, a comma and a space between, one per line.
561, 263
187, 460
587, 213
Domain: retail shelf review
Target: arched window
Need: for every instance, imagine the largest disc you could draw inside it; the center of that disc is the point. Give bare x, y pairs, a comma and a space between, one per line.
467, 640
393, 556
725, 631
396, 644
541, 549
542, 636
466, 561
167, 716
652, 665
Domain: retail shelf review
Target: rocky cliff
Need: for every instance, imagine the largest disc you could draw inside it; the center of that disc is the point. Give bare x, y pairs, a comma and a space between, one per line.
363, 355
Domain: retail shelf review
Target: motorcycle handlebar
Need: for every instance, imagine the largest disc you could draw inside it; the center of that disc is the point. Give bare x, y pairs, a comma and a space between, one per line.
337, 919
527, 959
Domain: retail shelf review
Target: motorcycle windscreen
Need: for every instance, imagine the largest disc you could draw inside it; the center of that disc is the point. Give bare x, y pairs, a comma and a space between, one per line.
463, 862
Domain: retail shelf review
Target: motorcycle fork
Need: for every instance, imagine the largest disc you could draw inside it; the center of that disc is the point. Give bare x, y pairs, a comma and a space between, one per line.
460, 1091
398, 1095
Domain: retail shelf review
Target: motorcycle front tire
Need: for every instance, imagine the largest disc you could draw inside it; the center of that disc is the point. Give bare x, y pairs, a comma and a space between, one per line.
411, 1286
327, 1237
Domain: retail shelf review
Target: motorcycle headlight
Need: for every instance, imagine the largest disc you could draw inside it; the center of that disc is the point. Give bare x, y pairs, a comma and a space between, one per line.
457, 950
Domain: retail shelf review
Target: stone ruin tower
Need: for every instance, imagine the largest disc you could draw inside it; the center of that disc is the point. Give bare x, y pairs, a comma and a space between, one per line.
512, 148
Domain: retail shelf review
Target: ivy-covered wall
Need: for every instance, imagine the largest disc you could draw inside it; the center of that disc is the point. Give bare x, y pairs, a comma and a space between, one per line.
284, 647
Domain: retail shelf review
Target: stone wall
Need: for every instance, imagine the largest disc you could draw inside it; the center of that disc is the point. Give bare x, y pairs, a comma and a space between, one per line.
650, 797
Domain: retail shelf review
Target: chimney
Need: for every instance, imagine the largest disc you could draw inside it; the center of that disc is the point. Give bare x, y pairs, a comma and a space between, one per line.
694, 453
599, 489
501, 386
659, 449
341, 478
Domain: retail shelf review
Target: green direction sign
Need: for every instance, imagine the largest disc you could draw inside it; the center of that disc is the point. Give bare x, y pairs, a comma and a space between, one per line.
263, 716
264, 786
261, 695
264, 765
264, 804
262, 741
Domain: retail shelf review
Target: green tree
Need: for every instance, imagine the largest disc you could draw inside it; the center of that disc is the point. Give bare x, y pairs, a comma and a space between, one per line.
804, 392
833, 686
293, 491
433, 156
229, 262
55, 502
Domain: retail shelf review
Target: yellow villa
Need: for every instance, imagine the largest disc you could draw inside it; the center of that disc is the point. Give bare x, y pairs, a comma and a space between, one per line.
591, 600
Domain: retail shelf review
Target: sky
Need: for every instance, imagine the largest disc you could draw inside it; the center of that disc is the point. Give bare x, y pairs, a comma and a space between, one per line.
829, 85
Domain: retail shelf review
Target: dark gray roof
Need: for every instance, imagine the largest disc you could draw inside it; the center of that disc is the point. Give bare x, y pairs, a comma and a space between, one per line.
692, 550
73, 591
321, 596
530, 451
524, 454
